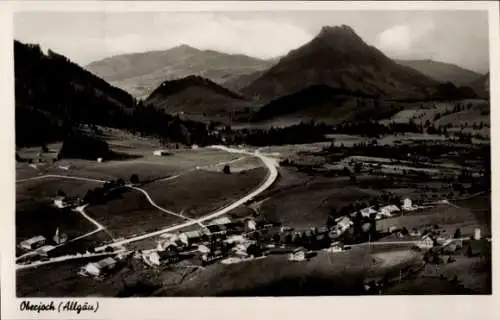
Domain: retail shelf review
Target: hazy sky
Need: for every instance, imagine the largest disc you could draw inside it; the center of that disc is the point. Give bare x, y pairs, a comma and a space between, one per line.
459, 37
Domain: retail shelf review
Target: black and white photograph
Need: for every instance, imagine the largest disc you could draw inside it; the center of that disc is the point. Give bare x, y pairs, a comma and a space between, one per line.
252, 153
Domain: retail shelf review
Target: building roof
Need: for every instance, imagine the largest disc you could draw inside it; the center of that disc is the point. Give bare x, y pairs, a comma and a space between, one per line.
193, 234
33, 240
222, 220
390, 208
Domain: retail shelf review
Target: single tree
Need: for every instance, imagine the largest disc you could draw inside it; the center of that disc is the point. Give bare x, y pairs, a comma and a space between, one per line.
227, 169
458, 234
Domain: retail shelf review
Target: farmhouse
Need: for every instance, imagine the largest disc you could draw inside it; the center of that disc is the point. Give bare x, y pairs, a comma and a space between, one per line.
162, 257
97, 268
33, 243
425, 242
408, 206
344, 224
161, 153
298, 254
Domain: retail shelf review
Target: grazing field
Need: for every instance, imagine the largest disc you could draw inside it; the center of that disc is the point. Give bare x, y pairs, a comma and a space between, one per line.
46, 189
307, 203
148, 166
129, 213
339, 273
60, 280
200, 192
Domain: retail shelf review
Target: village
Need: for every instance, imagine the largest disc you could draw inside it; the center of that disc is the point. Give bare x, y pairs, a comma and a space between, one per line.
230, 241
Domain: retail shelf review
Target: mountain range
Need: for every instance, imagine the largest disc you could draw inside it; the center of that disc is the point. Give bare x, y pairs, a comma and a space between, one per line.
339, 58
336, 77
141, 73
441, 71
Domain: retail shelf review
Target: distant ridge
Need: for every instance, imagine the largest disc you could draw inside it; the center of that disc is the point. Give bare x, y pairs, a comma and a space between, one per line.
441, 71
141, 73
197, 96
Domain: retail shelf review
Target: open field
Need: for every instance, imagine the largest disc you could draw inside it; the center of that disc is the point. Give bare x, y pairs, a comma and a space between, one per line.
148, 167
46, 189
310, 204
198, 193
130, 213
302, 201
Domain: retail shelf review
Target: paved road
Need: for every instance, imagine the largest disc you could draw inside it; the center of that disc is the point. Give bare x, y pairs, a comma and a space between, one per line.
270, 163
65, 258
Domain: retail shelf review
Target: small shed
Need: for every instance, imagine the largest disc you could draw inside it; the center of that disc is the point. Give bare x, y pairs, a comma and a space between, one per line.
97, 268
33, 243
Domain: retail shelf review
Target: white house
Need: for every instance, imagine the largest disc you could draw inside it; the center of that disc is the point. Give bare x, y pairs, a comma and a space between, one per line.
251, 225
64, 202
96, 268
298, 254
425, 243
387, 211
407, 205
222, 220
161, 153
33, 243
345, 224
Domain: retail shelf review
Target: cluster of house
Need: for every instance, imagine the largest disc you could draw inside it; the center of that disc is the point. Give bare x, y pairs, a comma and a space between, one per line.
67, 201
38, 246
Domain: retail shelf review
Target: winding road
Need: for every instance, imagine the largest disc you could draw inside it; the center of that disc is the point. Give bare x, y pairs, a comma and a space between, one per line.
270, 163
